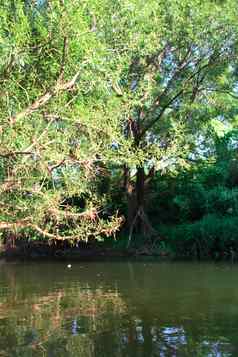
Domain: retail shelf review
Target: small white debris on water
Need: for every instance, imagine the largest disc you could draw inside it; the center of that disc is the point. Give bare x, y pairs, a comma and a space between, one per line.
69, 266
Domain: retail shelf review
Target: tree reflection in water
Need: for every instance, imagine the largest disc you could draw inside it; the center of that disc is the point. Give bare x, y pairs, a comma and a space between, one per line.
61, 315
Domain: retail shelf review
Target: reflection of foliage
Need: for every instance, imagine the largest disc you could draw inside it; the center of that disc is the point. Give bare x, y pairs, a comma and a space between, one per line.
75, 312
53, 318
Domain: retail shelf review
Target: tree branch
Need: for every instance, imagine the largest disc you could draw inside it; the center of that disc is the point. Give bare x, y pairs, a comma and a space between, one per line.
177, 95
63, 60
220, 91
42, 100
10, 154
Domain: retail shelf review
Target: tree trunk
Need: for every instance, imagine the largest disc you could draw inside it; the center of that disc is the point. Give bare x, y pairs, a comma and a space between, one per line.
140, 200
130, 197
137, 220
135, 193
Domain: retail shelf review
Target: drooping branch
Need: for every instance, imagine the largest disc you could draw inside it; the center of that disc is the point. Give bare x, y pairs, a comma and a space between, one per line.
60, 86
89, 214
10, 154
14, 225
52, 236
108, 229
9, 185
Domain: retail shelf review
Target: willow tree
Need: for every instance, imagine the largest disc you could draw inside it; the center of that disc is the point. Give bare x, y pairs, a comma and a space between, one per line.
87, 86
55, 122
177, 72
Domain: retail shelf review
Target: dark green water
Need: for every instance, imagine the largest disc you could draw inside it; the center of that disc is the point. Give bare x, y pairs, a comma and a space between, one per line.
118, 309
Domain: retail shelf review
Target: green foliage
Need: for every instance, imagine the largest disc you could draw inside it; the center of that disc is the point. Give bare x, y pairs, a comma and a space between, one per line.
202, 211
213, 236
91, 90
55, 115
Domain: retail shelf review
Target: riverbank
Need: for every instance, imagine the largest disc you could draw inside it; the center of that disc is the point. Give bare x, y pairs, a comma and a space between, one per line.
168, 246
40, 250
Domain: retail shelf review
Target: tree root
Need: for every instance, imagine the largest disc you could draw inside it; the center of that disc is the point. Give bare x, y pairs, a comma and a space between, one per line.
147, 229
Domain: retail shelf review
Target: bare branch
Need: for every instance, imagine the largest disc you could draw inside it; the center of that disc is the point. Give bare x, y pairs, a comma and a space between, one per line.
64, 53
14, 225
53, 167
89, 214
7, 155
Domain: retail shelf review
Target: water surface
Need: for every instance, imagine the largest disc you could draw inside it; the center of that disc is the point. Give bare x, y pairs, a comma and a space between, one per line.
118, 309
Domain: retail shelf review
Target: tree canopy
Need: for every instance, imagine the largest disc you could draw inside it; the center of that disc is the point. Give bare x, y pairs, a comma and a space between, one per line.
98, 99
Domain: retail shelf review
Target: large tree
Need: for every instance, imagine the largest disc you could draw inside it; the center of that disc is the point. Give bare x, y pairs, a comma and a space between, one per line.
87, 87
177, 73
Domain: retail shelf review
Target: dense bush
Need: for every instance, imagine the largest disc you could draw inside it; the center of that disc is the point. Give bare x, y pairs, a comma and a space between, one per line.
210, 237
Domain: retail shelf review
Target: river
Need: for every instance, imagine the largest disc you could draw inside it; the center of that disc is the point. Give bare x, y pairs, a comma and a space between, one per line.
118, 309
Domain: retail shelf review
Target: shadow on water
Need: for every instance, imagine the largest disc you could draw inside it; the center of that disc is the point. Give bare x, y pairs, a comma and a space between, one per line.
118, 309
